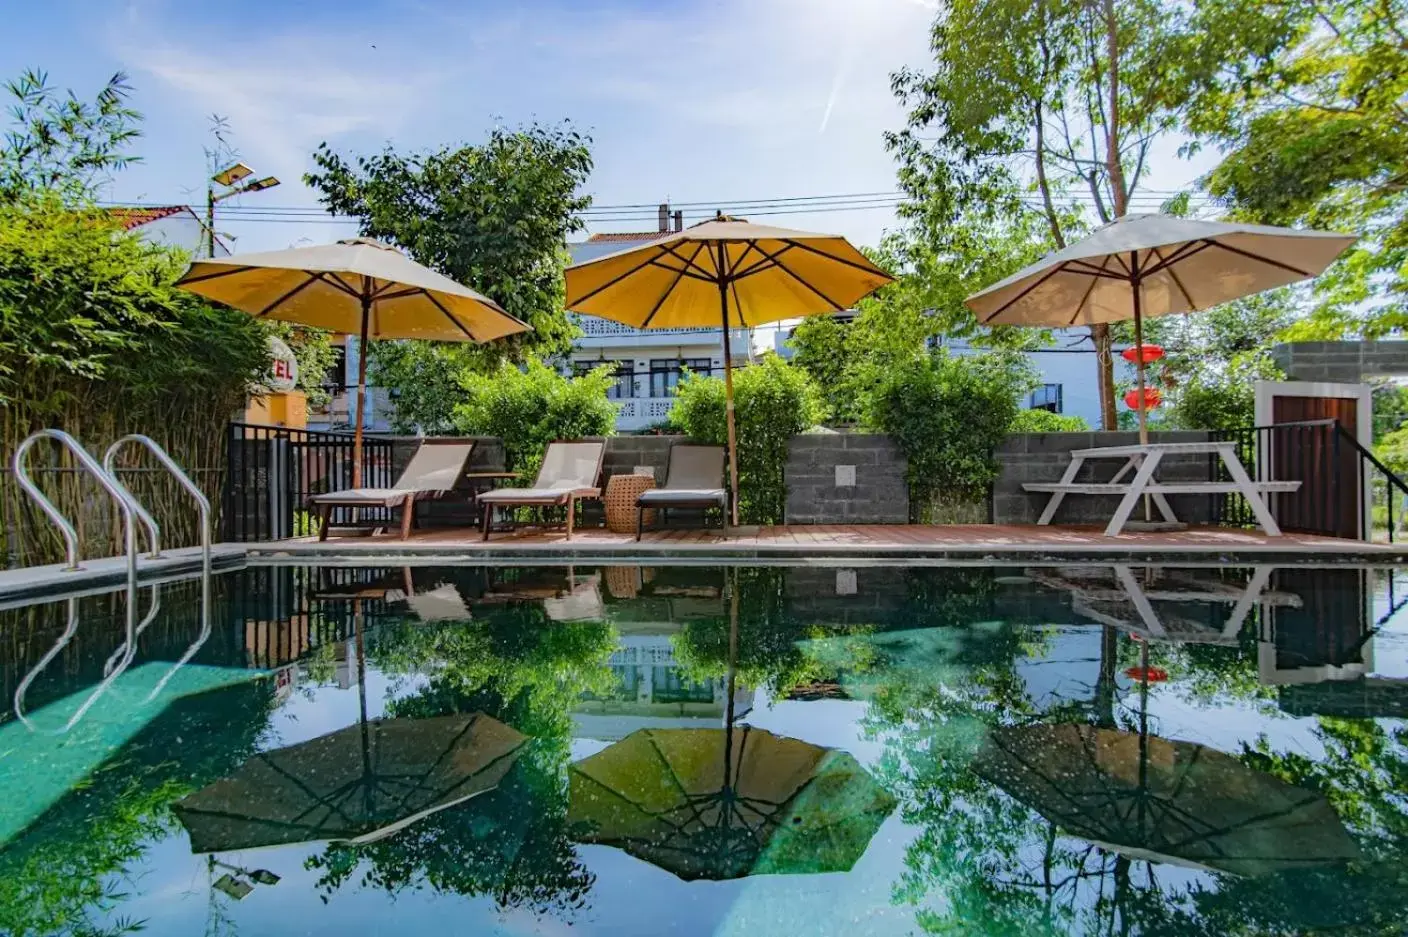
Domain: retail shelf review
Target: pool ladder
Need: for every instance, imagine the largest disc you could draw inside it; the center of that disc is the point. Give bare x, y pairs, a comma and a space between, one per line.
133, 511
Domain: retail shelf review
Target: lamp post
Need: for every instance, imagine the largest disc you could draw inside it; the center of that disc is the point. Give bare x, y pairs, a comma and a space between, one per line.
229, 179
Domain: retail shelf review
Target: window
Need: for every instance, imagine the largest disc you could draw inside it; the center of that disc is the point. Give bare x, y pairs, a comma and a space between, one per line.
665, 373
1046, 397
625, 373
336, 377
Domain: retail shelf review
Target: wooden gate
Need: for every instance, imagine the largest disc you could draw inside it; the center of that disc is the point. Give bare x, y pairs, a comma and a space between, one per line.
1331, 499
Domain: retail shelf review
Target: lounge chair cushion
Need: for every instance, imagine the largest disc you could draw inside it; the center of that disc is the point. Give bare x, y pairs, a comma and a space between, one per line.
682, 496
516, 495
695, 468
366, 496
435, 467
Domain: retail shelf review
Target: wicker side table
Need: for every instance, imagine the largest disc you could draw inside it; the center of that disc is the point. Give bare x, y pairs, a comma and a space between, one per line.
621, 494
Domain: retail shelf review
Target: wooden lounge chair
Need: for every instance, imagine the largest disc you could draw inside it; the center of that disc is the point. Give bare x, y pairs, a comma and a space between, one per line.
695, 479
434, 469
570, 471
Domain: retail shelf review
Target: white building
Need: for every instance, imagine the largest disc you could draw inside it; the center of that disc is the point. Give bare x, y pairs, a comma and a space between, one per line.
647, 362
1068, 375
172, 225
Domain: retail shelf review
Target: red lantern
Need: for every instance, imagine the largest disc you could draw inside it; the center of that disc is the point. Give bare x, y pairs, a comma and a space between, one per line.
1149, 353
1150, 399
1147, 674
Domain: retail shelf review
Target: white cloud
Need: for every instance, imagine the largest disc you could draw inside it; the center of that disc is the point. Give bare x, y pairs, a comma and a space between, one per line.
283, 94
737, 98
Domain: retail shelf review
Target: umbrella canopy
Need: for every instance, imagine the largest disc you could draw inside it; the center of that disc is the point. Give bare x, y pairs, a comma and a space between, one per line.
1179, 264
358, 784
1153, 265
720, 804
770, 274
725, 273
1175, 802
355, 287
327, 286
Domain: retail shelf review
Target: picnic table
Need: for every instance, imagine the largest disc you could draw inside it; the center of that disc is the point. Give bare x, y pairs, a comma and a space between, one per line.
1142, 461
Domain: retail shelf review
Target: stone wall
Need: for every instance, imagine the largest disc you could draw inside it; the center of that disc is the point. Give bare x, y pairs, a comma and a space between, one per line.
1341, 362
846, 478
1043, 457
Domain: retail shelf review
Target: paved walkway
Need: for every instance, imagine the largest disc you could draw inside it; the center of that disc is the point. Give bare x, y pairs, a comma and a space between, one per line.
975, 541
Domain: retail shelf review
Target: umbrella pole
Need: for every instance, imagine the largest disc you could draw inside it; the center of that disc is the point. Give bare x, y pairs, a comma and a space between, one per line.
361, 386
728, 396
1139, 366
1139, 358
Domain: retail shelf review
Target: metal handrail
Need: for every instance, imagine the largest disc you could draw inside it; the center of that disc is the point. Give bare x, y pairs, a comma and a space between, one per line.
202, 506
124, 499
127, 505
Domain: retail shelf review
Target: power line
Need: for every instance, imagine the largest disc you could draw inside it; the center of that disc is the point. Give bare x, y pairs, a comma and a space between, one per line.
644, 213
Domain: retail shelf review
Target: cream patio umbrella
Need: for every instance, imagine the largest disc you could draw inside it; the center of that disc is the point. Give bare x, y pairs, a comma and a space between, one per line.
1139, 266
355, 287
724, 272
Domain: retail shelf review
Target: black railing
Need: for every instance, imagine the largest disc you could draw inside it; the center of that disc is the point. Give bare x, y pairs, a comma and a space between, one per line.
273, 471
1336, 473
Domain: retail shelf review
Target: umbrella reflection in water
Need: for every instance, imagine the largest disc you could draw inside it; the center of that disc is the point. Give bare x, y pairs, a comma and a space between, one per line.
725, 803
358, 784
1165, 801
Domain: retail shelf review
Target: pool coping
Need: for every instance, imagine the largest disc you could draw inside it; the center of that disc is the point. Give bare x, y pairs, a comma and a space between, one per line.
33, 584
394, 554
26, 585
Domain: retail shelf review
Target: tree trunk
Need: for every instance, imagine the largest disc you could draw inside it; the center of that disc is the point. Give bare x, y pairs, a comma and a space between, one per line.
1100, 334
1105, 368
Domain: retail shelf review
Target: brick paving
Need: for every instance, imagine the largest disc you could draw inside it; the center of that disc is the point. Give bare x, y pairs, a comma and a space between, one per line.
952, 541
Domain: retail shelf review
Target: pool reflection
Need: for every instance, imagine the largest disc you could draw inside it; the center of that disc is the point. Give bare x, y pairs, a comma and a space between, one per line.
1045, 750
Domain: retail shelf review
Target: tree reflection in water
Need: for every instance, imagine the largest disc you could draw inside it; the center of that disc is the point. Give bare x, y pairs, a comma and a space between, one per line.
983, 862
513, 663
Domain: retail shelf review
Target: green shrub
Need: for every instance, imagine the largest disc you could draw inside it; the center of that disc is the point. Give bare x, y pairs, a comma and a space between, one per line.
948, 414
532, 407
1044, 421
96, 340
774, 402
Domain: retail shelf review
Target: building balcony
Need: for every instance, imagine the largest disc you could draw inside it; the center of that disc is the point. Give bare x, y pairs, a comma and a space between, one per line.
603, 333
636, 413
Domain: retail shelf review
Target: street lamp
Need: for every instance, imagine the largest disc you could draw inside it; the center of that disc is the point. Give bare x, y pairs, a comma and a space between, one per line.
229, 179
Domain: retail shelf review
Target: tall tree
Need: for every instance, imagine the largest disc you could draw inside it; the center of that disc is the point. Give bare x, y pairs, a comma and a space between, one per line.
1030, 102
1313, 115
493, 215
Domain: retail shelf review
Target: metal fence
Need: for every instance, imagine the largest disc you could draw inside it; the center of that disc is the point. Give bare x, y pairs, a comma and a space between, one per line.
1345, 490
273, 471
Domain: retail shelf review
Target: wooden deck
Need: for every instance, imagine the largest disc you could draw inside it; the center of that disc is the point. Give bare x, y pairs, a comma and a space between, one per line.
971, 542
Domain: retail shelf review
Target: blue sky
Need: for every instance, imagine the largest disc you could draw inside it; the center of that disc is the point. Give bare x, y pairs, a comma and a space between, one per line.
710, 100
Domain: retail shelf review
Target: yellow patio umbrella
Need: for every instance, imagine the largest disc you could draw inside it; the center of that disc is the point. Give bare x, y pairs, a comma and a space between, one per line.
724, 272
359, 287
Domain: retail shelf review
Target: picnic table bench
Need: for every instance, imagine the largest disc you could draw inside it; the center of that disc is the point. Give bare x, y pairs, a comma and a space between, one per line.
1143, 461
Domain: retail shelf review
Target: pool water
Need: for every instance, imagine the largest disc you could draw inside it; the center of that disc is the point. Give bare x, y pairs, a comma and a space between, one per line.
700, 750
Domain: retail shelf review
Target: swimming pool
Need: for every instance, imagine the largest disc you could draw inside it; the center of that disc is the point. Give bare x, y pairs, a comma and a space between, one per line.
756, 750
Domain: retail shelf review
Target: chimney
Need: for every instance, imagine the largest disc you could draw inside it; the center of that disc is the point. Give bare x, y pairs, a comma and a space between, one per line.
664, 217
679, 220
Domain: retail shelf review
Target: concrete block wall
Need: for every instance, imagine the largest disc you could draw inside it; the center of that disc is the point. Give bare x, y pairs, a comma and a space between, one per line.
1341, 362
1043, 457
846, 478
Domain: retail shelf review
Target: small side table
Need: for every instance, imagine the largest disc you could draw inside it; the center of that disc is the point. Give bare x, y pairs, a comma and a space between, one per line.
622, 491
